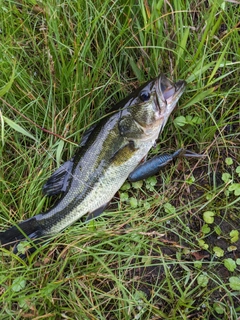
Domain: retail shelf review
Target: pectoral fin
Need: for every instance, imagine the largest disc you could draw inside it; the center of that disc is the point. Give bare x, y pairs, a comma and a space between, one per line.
123, 154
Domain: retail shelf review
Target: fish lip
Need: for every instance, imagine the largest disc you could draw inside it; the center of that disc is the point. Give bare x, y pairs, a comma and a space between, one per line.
167, 96
168, 91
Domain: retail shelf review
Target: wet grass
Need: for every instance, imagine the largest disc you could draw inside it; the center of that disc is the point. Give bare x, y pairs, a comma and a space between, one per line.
167, 247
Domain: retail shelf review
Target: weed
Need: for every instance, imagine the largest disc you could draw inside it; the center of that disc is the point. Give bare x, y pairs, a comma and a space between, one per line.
167, 247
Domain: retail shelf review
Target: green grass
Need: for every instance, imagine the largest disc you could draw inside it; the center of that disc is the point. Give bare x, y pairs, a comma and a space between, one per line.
154, 254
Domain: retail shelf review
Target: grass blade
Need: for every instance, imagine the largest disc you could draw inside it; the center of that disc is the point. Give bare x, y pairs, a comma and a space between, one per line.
18, 128
8, 85
218, 63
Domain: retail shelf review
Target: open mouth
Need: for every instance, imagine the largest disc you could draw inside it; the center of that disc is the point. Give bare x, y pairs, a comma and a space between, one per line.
171, 91
168, 94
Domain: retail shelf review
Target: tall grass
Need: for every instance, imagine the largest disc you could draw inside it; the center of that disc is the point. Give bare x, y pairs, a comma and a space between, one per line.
153, 254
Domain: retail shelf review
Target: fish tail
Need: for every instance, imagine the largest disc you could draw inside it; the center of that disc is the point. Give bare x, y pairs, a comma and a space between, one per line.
28, 229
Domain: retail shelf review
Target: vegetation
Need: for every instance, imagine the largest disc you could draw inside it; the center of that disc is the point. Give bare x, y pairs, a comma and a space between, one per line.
167, 247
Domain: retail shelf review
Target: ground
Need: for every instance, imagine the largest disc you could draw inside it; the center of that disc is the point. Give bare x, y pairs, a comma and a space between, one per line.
167, 247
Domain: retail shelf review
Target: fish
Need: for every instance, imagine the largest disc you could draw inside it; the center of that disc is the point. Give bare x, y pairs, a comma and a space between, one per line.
108, 153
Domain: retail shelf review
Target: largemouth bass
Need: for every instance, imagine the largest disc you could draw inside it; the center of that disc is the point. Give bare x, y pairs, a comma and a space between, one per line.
108, 153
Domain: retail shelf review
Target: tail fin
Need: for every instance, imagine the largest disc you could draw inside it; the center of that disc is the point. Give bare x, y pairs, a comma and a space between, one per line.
27, 229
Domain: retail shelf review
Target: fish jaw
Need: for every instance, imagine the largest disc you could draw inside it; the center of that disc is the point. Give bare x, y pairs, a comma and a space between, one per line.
167, 96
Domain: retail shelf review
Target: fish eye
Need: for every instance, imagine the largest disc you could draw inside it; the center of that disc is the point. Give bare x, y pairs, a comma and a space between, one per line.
144, 95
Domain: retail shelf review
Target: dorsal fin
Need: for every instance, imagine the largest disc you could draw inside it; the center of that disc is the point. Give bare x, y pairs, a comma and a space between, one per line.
59, 180
86, 135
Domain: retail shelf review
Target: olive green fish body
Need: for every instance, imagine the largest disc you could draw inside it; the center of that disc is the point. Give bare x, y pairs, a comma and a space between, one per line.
104, 160
102, 169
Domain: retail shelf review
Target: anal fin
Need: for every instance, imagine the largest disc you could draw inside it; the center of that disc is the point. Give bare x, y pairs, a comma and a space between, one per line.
96, 213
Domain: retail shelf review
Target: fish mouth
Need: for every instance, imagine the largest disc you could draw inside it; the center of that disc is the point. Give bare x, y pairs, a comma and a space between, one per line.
167, 95
170, 92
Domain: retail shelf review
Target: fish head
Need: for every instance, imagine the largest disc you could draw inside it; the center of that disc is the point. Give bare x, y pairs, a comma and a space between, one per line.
151, 105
